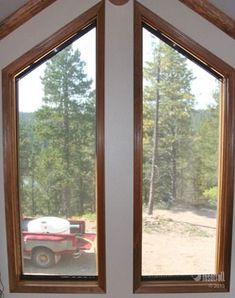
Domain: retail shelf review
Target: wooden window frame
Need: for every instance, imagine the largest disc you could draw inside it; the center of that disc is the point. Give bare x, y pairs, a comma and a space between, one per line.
213, 14
18, 281
226, 172
22, 15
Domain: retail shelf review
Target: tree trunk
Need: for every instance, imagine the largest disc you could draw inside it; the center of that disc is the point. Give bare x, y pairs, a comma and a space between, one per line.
33, 213
155, 145
67, 188
174, 173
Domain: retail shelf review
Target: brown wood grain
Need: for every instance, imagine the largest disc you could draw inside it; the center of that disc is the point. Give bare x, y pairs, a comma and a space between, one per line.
226, 169
138, 148
119, 2
213, 15
100, 145
22, 15
18, 283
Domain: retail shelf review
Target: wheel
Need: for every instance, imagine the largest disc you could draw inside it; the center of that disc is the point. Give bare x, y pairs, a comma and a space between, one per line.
43, 257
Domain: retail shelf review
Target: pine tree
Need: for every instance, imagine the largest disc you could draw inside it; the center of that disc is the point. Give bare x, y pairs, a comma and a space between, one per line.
169, 104
66, 128
28, 156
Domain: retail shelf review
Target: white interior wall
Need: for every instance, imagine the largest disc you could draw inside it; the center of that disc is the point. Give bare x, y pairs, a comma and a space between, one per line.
118, 121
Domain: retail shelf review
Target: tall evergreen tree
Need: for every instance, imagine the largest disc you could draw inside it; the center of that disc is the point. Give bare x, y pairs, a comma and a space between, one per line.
28, 156
168, 106
66, 129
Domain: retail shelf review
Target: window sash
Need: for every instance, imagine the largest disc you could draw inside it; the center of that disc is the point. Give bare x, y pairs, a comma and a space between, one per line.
41, 284
226, 160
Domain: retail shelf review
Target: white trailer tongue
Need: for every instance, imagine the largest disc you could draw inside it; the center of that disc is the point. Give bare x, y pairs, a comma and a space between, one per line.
49, 224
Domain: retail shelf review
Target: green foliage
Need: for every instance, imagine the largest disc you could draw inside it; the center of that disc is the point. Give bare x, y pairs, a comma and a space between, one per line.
57, 147
170, 94
211, 194
180, 143
206, 152
90, 216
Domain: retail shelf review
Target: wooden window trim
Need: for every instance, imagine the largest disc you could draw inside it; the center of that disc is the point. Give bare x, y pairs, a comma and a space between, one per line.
214, 15
225, 216
22, 15
118, 2
18, 282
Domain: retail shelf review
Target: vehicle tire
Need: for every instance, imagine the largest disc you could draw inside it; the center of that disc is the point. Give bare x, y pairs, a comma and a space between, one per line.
43, 257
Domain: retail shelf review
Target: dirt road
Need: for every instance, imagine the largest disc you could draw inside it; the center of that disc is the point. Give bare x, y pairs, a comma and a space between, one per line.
178, 242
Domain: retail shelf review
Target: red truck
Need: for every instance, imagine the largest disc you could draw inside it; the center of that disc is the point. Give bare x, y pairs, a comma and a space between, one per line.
46, 249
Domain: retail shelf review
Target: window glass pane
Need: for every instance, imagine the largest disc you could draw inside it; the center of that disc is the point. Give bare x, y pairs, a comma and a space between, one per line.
57, 152
181, 108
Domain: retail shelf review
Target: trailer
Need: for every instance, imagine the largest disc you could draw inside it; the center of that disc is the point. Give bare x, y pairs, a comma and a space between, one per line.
45, 249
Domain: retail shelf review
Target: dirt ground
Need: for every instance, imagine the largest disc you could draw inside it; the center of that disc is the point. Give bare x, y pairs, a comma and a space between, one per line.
176, 241
85, 265
179, 241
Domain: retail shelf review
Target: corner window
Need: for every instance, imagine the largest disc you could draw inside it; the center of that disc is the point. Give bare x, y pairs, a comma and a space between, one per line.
183, 159
54, 161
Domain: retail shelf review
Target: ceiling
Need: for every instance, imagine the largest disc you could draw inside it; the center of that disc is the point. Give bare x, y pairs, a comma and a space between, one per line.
9, 6
227, 6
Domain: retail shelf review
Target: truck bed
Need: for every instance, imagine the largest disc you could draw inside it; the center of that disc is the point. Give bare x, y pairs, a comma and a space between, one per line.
86, 241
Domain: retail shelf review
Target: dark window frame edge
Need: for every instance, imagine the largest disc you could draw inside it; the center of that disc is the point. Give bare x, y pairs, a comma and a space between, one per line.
223, 258
9, 73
